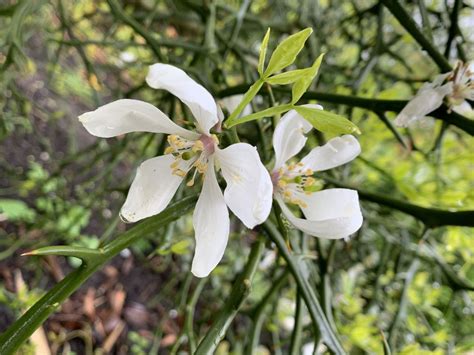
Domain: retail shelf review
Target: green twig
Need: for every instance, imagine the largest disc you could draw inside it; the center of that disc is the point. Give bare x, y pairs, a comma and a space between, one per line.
240, 291
403, 304
453, 28
119, 12
259, 313
431, 217
190, 307
406, 20
22, 329
375, 105
308, 293
295, 343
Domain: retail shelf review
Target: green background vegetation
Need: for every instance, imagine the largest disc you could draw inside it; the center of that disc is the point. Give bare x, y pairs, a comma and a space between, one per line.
405, 281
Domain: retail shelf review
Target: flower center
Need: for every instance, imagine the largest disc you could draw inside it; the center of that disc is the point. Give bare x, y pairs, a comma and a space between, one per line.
463, 83
190, 154
291, 180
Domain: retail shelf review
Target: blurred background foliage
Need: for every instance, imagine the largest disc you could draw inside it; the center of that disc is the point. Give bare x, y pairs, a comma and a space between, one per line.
393, 283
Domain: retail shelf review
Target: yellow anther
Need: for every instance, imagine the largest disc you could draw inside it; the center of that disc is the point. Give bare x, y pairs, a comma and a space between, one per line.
169, 150
198, 146
179, 172
282, 183
287, 193
309, 181
175, 164
299, 203
172, 138
215, 139
309, 172
200, 166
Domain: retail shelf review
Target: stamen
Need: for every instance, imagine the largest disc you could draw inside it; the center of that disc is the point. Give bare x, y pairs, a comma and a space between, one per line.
195, 153
191, 182
292, 179
179, 172
198, 146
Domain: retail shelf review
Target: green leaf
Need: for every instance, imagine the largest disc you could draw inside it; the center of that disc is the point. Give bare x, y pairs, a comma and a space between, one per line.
288, 77
15, 210
263, 53
300, 87
181, 247
85, 254
326, 121
286, 52
265, 113
249, 95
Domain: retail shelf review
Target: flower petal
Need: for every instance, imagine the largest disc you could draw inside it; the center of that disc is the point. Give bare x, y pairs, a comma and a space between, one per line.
211, 225
289, 136
336, 152
194, 95
331, 213
426, 100
127, 115
249, 188
465, 109
152, 189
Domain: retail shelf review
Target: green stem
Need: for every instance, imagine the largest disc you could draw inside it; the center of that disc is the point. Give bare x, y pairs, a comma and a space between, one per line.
453, 26
22, 329
431, 217
240, 291
249, 95
259, 314
188, 322
307, 292
403, 304
119, 12
406, 20
295, 343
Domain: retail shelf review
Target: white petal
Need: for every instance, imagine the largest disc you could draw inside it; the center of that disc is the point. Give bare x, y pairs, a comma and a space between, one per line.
211, 225
230, 103
249, 188
308, 349
127, 115
336, 152
152, 189
437, 81
464, 109
194, 95
425, 101
289, 136
331, 213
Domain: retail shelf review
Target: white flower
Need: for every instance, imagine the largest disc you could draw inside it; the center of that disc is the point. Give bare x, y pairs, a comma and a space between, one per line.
456, 86
248, 193
330, 213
